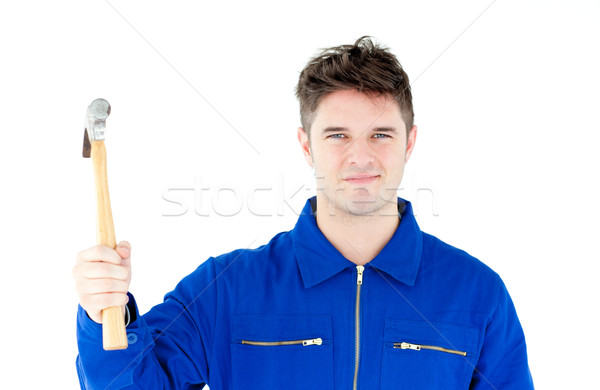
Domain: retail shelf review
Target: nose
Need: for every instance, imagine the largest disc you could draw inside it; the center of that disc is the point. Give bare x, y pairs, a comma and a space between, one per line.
360, 153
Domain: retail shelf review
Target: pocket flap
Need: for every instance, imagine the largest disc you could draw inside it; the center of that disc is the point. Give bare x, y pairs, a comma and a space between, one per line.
279, 327
450, 336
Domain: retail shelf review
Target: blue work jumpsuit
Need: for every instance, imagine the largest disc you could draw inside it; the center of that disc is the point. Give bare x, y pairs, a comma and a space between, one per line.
296, 314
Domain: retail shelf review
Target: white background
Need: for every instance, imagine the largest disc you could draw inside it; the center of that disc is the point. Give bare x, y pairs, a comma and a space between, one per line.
505, 165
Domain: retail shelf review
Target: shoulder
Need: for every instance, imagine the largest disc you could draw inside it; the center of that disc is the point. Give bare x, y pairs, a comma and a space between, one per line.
247, 257
246, 262
457, 264
229, 268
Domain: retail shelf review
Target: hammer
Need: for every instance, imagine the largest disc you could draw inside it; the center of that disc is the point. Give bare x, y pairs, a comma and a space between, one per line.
113, 322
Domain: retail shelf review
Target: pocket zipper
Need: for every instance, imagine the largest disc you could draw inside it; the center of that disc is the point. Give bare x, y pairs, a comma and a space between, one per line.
418, 347
317, 341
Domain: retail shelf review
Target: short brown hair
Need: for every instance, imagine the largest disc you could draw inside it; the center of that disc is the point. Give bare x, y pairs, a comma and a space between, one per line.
364, 66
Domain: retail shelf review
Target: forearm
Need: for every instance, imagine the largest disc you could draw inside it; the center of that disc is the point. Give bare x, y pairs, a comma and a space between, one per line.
151, 353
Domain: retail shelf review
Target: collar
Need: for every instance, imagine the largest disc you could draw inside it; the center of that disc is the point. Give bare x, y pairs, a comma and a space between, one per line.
319, 260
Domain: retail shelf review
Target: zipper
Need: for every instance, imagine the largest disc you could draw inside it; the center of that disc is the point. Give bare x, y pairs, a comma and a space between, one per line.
418, 347
359, 280
317, 341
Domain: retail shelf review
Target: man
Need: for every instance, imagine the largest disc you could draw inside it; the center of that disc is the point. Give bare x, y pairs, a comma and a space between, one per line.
355, 296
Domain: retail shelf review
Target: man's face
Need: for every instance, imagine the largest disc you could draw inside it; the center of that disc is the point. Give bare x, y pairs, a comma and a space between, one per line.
358, 148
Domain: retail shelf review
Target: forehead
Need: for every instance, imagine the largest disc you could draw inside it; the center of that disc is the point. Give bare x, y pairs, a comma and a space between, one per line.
350, 108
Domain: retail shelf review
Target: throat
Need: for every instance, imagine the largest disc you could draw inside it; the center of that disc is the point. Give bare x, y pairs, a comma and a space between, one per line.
358, 238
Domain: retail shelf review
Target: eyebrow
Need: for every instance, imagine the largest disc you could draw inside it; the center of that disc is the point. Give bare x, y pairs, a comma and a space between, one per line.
375, 129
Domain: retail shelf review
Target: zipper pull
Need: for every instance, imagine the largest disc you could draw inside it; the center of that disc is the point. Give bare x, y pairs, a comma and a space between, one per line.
410, 346
360, 269
318, 341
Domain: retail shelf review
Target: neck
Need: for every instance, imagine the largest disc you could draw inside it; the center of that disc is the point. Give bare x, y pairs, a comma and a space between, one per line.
359, 238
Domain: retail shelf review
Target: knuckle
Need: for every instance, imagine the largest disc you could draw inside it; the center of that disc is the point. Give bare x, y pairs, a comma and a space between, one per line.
98, 301
114, 286
104, 285
121, 273
81, 254
123, 299
79, 285
104, 269
86, 302
79, 257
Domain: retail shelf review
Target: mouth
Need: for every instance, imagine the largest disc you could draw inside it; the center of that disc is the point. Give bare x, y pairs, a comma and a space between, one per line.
361, 180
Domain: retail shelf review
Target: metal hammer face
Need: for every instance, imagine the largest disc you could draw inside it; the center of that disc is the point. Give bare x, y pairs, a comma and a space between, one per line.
95, 124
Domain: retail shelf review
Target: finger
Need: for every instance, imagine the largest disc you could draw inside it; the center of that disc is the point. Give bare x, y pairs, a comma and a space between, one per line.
102, 270
97, 302
99, 253
101, 286
124, 249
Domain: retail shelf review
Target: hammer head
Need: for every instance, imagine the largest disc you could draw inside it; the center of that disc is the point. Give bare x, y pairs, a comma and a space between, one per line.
95, 124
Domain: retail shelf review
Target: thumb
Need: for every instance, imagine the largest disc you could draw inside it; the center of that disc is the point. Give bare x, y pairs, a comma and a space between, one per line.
124, 249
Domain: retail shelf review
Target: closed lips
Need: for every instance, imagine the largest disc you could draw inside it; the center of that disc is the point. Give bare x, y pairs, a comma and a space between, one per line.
361, 177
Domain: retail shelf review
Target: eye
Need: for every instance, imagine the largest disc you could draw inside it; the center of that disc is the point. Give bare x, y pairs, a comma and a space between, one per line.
338, 136
381, 135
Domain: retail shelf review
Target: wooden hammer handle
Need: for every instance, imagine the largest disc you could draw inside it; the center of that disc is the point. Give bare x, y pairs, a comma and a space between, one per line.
114, 335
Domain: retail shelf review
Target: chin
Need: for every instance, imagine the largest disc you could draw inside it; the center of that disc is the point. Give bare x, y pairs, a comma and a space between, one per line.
362, 206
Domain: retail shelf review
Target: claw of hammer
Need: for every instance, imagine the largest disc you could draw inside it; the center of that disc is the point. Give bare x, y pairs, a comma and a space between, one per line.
95, 124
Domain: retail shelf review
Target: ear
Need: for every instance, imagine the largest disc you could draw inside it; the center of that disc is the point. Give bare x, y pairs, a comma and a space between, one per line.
410, 144
305, 145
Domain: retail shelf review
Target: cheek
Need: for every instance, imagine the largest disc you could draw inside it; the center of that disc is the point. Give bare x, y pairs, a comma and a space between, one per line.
324, 159
392, 159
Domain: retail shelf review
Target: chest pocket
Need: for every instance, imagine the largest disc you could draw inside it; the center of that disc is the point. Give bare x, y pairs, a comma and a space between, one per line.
424, 355
278, 351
